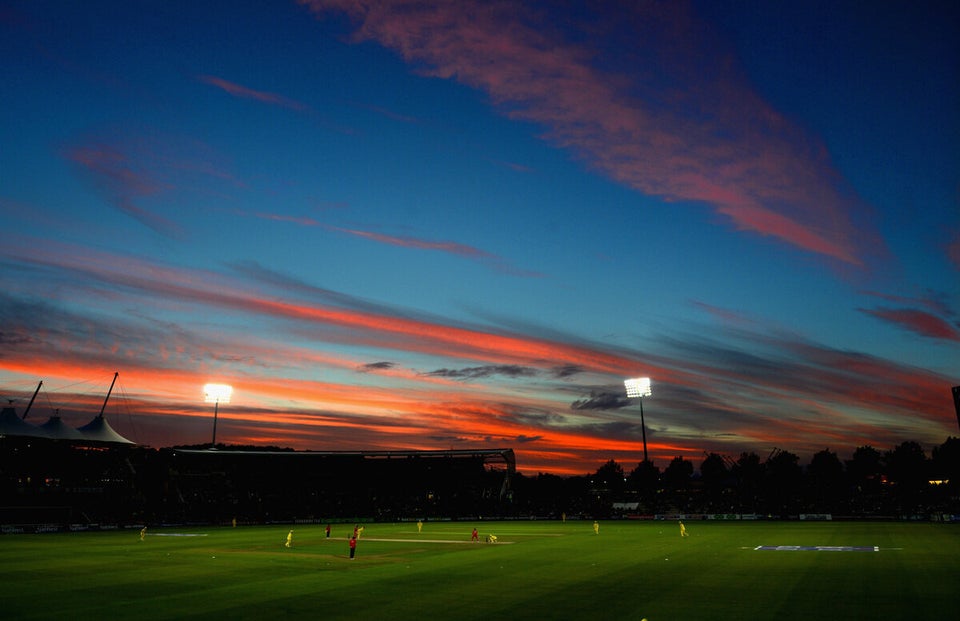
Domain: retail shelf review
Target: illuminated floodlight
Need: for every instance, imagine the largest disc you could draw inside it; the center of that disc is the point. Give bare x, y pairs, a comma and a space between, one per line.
215, 394
638, 387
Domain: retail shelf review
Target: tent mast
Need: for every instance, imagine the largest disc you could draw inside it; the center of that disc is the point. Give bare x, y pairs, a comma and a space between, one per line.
30, 405
108, 394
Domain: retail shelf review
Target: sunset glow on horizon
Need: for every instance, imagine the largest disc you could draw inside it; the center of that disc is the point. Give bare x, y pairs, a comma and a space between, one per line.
396, 225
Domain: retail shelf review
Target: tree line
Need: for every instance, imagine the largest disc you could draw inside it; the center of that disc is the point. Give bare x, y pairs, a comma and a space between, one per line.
900, 482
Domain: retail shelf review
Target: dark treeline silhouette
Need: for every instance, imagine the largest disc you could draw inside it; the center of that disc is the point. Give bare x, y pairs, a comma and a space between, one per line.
902, 482
53, 482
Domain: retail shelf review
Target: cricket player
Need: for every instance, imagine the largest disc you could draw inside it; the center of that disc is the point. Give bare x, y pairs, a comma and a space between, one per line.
491, 538
683, 530
143, 533
289, 538
419, 525
596, 527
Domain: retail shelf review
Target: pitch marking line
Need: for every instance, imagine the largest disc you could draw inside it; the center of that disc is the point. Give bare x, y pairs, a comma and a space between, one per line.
428, 541
819, 548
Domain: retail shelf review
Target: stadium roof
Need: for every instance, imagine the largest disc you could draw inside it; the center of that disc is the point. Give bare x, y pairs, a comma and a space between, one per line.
13, 425
58, 430
99, 430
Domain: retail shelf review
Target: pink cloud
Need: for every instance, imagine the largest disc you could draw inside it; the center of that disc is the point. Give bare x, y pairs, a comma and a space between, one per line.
450, 247
125, 183
243, 92
670, 116
301, 220
918, 321
953, 251
462, 250
132, 170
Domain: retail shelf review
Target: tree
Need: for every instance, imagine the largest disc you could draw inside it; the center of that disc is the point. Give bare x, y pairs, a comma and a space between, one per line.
606, 485
715, 477
946, 461
907, 468
825, 481
749, 473
782, 482
907, 465
866, 469
645, 479
678, 474
610, 477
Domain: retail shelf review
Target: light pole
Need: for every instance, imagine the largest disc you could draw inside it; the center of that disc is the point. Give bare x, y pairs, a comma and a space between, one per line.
215, 393
638, 388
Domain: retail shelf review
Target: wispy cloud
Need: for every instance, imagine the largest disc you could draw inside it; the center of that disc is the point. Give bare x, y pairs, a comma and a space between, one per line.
134, 170
647, 117
953, 251
455, 248
471, 373
341, 372
243, 92
125, 185
601, 401
933, 319
918, 321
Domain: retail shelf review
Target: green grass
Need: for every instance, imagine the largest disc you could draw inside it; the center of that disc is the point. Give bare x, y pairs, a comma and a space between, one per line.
540, 570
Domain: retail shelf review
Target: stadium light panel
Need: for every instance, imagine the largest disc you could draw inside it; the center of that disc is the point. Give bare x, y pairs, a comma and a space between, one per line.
638, 387
217, 393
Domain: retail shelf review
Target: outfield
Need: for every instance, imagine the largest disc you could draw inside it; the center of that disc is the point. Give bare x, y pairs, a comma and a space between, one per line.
538, 570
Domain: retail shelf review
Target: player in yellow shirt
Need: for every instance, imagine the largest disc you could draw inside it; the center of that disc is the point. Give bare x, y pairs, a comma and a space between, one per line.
683, 530
596, 527
419, 525
289, 538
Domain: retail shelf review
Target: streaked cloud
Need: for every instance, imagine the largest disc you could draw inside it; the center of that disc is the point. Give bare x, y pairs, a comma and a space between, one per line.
146, 175
244, 92
472, 373
124, 184
917, 321
745, 387
646, 116
449, 247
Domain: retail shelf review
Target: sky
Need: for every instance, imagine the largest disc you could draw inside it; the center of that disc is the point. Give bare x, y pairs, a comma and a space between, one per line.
399, 225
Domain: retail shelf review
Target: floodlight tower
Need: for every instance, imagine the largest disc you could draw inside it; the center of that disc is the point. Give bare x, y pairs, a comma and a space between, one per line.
215, 393
638, 388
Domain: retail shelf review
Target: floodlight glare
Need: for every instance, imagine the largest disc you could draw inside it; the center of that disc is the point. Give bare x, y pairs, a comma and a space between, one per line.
217, 393
638, 387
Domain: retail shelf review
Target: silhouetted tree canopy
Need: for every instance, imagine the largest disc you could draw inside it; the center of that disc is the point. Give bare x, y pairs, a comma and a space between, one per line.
678, 473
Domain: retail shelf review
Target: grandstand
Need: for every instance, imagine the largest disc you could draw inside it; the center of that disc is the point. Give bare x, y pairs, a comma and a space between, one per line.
54, 474
276, 485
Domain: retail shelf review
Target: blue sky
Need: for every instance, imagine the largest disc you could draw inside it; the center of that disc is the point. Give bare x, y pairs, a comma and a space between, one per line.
457, 225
